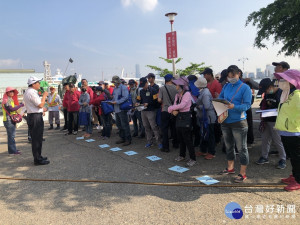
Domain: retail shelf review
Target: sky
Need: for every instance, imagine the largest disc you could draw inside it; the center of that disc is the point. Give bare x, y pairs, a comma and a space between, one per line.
102, 36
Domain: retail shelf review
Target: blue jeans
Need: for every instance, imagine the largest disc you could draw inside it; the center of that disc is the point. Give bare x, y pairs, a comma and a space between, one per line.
123, 125
236, 134
11, 134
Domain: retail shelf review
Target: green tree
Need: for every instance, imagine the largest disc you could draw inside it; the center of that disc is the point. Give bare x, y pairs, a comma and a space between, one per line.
280, 20
192, 69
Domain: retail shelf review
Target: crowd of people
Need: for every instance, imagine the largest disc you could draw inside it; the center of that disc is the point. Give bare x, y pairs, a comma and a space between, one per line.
182, 111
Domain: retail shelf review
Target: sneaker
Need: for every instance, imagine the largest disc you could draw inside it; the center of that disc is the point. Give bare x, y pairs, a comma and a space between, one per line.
160, 146
179, 159
148, 145
288, 180
191, 163
273, 153
75, 132
281, 164
240, 178
262, 161
201, 154
209, 156
292, 186
226, 171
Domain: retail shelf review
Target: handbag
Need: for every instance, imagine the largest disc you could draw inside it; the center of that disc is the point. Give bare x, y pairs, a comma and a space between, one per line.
15, 118
184, 120
127, 105
107, 108
224, 115
84, 118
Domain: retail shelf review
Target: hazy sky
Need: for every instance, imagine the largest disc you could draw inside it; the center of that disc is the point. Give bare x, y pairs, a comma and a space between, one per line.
107, 35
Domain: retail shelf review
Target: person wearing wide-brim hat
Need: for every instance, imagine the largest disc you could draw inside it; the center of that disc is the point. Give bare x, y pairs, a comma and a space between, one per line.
10, 105
288, 124
34, 105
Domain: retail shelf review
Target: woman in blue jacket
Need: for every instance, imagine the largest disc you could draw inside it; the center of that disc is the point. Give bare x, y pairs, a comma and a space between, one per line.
235, 126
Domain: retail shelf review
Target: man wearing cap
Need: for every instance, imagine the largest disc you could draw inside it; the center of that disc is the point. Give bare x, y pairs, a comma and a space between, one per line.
106, 91
281, 67
53, 108
166, 96
271, 100
213, 85
147, 99
120, 95
34, 106
137, 116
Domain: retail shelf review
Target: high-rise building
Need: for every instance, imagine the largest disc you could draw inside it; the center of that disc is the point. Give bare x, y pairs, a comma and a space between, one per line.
269, 70
137, 71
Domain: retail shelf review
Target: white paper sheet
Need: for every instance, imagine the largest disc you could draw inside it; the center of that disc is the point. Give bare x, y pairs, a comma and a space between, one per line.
219, 107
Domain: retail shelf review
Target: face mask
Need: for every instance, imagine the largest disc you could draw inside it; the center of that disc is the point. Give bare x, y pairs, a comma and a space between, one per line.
98, 93
271, 91
232, 80
284, 85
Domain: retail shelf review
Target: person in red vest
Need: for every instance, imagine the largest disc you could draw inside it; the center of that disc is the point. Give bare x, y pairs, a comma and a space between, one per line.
73, 110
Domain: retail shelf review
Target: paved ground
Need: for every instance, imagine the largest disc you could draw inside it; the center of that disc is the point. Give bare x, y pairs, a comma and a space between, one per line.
29, 202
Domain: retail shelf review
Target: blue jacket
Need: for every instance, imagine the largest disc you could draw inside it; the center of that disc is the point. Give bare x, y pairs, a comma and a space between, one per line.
241, 101
120, 95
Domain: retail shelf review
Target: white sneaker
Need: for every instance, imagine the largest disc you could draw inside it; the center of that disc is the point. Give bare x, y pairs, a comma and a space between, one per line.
179, 159
191, 163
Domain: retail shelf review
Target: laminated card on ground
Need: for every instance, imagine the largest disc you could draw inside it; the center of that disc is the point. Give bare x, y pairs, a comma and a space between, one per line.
79, 138
104, 146
207, 180
153, 158
89, 140
130, 153
178, 169
115, 149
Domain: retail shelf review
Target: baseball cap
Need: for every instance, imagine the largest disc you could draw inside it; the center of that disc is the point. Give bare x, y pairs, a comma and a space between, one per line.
284, 65
168, 77
33, 80
143, 81
131, 81
207, 71
116, 79
264, 85
99, 88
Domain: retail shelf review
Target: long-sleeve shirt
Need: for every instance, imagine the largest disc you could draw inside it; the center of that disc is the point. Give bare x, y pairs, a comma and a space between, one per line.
214, 87
205, 101
120, 95
241, 100
184, 103
84, 98
66, 99
97, 102
73, 105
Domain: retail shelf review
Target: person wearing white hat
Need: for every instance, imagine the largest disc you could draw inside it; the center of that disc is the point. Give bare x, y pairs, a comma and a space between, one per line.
34, 106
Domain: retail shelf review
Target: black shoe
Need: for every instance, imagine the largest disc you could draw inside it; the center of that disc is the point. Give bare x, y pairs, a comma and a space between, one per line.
134, 135
64, 128
41, 162
58, 127
29, 140
120, 141
43, 158
51, 127
126, 143
165, 150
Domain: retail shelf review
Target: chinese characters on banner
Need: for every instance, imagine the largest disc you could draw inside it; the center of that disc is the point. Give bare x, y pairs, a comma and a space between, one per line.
171, 45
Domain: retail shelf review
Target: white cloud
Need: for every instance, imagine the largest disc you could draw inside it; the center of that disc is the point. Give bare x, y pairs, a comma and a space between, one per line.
9, 62
144, 5
208, 31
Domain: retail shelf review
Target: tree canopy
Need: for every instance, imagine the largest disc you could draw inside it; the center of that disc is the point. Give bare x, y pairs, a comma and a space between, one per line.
280, 20
194, 68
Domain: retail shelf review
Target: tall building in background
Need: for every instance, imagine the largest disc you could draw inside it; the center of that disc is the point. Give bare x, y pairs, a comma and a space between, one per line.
269, 70
259, 74
137, 71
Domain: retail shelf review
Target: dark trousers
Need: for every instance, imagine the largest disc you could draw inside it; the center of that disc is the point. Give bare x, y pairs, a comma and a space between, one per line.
36, 128
65, 111
106, 122
138, 123
292, 148
209, 145
250, 135
123, 125
218, 132
196, 129
73, 118
184, 135
168, 123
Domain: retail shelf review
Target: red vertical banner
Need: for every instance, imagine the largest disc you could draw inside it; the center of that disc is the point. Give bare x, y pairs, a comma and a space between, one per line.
171, 40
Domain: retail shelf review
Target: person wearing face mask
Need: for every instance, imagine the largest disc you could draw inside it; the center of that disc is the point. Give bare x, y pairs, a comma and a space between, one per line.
206, 119
181, 109
234, 124
271, 100
288, 124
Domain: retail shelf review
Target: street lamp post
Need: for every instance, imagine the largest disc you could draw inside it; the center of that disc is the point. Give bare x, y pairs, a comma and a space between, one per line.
243, 61
171, 17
